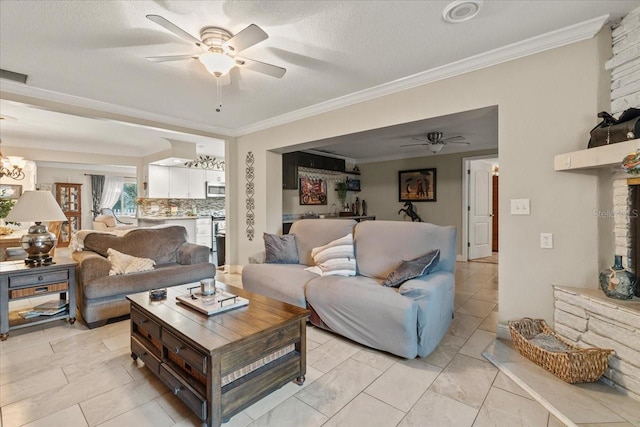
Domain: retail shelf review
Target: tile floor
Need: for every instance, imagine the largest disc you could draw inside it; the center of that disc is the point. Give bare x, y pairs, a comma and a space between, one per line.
63, 375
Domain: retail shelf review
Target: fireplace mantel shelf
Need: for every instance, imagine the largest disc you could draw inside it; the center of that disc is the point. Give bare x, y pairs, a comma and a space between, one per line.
599, 157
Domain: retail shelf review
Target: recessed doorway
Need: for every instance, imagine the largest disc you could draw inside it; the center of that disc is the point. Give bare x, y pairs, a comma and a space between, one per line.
480, 209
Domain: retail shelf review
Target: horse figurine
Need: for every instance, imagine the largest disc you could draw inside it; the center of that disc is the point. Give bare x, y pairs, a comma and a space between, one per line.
408, 209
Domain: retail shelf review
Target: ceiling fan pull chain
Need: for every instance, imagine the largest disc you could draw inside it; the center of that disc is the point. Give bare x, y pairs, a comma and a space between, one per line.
218, 95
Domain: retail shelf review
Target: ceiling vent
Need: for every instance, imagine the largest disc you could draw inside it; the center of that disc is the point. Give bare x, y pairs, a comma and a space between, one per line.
461, 10
13, 76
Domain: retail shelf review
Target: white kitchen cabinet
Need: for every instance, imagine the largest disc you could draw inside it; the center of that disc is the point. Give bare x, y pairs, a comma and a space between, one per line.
179, 183
187, 183
204, 233
197, 184
215, 176
158, 182
198, 228
176, 183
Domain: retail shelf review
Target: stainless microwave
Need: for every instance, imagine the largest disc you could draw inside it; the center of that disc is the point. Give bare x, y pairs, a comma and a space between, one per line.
215, 189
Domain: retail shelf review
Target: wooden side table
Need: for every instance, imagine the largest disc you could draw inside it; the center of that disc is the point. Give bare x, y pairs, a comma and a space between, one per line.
18, 281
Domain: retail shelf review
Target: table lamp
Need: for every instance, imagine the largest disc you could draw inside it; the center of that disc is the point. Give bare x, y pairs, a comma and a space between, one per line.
37, 206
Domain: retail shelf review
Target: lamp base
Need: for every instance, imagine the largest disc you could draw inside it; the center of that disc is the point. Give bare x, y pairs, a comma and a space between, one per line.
35, 262
37, 243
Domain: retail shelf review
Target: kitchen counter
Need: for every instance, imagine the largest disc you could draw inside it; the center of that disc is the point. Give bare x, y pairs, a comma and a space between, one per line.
198, 227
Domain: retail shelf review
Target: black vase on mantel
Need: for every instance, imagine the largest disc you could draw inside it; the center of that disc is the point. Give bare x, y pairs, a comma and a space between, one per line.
616, 282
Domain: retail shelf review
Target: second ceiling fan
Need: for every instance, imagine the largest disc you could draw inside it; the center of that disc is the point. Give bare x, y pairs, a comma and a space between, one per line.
220, 48
435, 141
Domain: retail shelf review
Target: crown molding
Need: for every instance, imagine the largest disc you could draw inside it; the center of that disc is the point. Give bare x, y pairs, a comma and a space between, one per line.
551, 40
21, 92
99, 110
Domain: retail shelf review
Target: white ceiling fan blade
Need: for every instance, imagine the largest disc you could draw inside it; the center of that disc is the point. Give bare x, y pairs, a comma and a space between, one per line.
417, 138
451, 138
244, 39
457, 143
170, 58
261, 67
175, 30
413, 145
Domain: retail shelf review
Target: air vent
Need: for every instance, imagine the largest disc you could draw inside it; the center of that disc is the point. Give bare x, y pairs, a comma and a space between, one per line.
13, 76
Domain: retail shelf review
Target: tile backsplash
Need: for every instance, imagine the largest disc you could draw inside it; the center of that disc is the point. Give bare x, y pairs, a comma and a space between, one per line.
160, 207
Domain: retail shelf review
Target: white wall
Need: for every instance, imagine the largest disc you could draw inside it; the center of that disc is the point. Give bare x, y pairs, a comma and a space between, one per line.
380, 189
547, 103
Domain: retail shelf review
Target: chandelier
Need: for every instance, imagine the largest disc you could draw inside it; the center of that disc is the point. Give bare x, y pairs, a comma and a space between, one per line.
206, 162
11, 166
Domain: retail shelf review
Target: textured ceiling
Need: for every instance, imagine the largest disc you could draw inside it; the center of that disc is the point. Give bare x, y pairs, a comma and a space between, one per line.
96, 49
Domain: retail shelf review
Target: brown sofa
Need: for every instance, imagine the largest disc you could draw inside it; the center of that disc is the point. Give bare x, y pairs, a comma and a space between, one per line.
101, 297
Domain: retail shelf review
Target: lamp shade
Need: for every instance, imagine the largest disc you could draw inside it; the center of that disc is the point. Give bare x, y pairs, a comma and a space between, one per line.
36, 206
216, 63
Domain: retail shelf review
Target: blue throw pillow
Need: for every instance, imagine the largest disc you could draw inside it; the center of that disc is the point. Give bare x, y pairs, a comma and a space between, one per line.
280, 249
412, 269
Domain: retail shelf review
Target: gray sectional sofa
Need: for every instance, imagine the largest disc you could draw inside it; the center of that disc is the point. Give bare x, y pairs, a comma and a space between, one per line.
406, 321
100, 296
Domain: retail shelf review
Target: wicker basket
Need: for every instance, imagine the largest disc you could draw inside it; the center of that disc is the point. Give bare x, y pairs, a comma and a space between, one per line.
575, 365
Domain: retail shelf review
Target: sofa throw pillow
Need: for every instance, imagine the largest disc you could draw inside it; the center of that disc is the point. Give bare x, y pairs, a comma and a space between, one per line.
280, 249
412, 269
336, 258
125, 264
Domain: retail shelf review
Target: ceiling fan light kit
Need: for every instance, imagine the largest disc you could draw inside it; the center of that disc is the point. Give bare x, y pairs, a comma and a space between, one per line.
435, 148
435, 141
461, 10
220, 46
217, 63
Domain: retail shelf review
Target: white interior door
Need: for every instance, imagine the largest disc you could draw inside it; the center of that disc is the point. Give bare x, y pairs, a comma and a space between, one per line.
480, 209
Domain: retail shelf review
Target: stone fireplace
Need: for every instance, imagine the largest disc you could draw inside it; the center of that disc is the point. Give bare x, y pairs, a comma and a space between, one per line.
626, 208
588, 318
634, 227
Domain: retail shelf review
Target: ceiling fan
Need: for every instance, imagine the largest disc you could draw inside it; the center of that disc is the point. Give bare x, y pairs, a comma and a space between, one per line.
435, 141
220, 48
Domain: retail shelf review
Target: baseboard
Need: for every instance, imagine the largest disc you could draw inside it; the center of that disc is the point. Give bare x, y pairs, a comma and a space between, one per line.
460, 257
233, 269
502, 331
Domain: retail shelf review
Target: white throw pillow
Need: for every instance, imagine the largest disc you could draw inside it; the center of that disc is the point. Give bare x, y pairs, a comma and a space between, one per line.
335, 258
125, 264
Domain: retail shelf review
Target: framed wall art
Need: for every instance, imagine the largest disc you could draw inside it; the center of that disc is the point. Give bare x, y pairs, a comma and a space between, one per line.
8, 191
353, 185
418, 185
313, 191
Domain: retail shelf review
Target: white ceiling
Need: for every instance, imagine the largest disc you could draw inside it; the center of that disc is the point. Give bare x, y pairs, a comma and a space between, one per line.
93, 53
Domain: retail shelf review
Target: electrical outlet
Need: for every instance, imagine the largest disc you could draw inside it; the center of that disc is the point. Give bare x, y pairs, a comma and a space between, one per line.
546, 240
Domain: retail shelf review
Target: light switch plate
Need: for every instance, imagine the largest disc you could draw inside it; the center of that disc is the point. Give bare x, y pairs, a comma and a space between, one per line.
520, 207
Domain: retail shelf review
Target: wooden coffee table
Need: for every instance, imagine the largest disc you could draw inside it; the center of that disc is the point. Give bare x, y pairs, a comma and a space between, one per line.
219, 364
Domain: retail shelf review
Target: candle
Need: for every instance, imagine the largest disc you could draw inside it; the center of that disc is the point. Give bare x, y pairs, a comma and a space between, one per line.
208, 286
